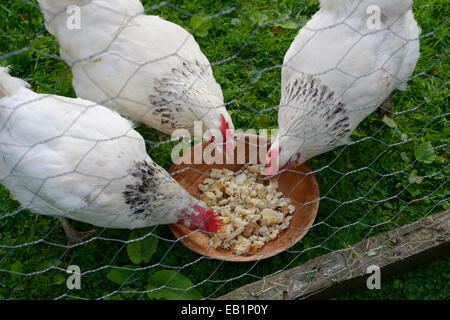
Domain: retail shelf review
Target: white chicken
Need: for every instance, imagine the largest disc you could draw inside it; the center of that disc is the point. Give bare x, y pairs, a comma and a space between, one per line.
75, 159
342, 65
146, 68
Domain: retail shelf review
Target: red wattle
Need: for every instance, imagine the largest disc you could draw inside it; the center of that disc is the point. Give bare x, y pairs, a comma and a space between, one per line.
226, 133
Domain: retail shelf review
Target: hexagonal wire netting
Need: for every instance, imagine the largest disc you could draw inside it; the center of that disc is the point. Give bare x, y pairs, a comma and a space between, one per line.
393, 172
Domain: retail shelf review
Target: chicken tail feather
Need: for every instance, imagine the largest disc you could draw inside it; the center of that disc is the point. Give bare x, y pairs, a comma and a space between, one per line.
8, 84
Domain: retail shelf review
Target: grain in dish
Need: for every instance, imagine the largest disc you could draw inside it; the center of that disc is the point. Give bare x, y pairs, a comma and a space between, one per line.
253, 212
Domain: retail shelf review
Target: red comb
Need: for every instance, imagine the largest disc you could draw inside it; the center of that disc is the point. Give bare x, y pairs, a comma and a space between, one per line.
273, 156
206, 219
212, 223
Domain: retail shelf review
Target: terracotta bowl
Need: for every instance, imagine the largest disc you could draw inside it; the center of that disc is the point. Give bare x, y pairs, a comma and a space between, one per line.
298, 184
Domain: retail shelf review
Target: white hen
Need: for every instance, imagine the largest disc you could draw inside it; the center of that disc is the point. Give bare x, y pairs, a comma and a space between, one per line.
145, 67
338, 70
73, 158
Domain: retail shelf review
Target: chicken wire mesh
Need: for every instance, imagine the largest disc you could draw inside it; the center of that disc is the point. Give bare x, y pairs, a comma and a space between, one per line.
394, 172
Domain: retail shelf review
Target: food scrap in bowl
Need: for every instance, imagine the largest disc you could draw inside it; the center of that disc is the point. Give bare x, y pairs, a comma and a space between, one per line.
253, 212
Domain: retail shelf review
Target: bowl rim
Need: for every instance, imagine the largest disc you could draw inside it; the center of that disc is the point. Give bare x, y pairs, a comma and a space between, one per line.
187, 236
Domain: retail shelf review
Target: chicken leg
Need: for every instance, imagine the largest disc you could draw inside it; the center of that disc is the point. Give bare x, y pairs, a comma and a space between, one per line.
73, 236
386, 107
161, 136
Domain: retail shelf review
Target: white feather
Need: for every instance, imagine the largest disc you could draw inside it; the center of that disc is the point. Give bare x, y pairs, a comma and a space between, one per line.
8, 86
360, 65
145, 67
74, 158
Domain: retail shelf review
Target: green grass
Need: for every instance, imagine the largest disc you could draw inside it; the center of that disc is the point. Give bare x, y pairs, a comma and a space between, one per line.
367, 188
427, 282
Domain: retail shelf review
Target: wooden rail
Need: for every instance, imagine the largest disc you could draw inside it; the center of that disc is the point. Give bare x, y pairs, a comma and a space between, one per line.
346, 269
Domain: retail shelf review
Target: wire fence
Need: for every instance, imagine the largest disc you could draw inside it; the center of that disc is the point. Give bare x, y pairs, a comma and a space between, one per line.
394, 171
